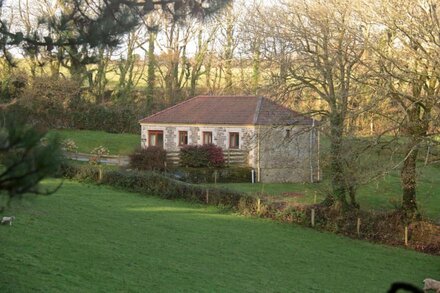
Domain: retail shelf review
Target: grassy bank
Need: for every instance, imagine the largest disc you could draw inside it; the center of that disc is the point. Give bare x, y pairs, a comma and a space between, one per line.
93, 238
87, 140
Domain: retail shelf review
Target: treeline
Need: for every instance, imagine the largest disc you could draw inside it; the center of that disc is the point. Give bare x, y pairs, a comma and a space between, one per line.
160, 62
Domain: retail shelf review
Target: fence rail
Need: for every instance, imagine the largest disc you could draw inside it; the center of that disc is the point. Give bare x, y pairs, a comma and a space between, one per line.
108, 160
232, 157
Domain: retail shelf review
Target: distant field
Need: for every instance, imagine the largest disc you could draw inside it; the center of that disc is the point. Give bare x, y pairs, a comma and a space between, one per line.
87, 140
139, 74
88, 238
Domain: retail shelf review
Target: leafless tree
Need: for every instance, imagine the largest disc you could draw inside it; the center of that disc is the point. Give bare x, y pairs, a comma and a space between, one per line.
408, 62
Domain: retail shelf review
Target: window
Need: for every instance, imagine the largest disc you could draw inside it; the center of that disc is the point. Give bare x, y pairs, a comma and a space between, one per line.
183, 138
207, 137
234, 140
155, 138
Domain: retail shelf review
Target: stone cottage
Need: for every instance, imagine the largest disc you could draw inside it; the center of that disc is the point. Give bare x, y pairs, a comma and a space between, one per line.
281, 145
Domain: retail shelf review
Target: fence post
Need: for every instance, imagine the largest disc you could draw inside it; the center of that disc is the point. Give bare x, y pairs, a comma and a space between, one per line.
207, 196
313, 218
406, 235
358, 226
258, 205
215, 177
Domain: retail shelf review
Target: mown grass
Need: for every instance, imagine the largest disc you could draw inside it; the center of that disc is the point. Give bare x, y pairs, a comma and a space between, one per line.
87, 140
88, 238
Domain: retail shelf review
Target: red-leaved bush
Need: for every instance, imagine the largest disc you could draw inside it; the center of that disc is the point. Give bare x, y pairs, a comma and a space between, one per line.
208, 155
215, 155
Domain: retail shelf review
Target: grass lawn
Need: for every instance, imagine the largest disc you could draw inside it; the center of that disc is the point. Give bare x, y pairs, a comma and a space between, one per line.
378, 195
88, 238
87, 140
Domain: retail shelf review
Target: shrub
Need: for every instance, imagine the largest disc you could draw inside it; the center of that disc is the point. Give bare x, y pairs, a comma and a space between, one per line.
207, 175
48, 100
193, 156
152, 183
202, 156
215, 155
83, 173
152, 159
96, 117
100, 151
69, 145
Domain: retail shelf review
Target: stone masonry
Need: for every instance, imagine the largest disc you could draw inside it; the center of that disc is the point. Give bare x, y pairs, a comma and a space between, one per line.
286, 153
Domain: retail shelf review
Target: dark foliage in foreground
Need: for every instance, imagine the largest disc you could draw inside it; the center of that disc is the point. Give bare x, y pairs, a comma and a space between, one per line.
26, 157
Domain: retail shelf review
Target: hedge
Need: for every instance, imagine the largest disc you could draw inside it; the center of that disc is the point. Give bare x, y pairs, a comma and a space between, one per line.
209, 175
151, 158
152, 183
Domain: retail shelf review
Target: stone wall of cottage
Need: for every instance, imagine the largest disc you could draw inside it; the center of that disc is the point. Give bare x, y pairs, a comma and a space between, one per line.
220, 135
288, 154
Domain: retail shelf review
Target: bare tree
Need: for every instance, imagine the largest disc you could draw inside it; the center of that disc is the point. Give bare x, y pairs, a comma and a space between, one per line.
408, 57
229, 46
320, 48
204, 38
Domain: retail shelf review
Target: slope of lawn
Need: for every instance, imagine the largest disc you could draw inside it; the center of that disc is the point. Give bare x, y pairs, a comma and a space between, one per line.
381, 194
87, 140
88, 238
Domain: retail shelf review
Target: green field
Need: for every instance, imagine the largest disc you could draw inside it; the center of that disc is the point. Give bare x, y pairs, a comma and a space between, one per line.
116, 143
88, 238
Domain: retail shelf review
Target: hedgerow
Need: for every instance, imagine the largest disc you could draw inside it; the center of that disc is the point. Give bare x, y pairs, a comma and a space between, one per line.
152, 183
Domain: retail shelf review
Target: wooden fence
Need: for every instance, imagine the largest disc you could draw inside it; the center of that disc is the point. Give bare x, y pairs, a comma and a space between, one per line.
232, 157
108, 160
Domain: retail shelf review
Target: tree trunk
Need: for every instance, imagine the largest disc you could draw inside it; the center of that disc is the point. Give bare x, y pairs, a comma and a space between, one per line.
415, 128
256, 60
229, 51
151, 70
208, 66
193, 83
337, 170
408, 177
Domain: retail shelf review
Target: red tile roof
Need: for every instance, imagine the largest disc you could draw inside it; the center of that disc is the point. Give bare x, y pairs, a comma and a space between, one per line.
235, 110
